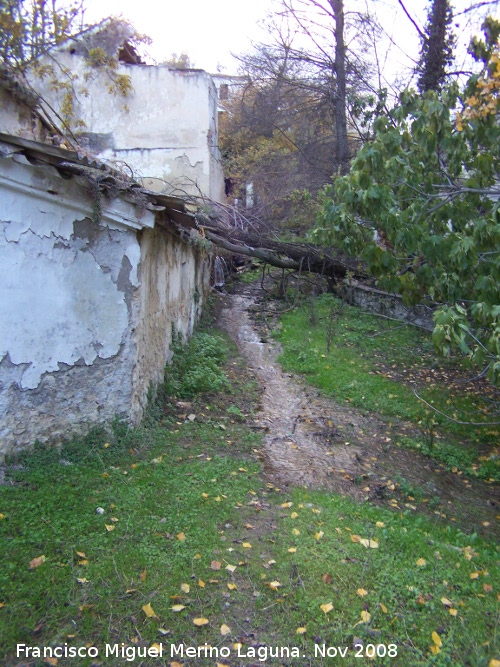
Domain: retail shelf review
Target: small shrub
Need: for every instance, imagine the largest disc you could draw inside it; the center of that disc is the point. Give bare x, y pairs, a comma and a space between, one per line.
196, 367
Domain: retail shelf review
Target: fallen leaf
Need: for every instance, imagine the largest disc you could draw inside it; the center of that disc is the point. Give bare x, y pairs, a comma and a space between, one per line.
174, 664
109, 527
274, 585
328, 606
81, 554
246, 545
82, 580
300, 631
453, 612
487, 588
143, 575
446, 602
178, 607
36, 562
421, 562
180, 536
200, 621
383, 607
185, 588
51, 661
366, 616
201, 583
230, 568
380, 524
362, 592
296, 531
293, 515
435, 649
494, 663
148, 610
216, 565
436, 639
318, 535
292, 550
232, 587
225, 629
474, 575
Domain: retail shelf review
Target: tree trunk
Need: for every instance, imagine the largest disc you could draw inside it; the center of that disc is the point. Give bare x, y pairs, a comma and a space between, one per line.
342, 144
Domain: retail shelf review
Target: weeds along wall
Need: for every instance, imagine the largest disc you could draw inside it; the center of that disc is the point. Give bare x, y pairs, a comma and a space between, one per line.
87, 306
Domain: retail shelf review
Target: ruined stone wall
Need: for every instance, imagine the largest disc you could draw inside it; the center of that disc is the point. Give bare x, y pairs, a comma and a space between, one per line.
86, 310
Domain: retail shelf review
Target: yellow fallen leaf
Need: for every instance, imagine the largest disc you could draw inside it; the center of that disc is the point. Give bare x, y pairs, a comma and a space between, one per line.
83, 562
221, 664
246, 545
292, 550
200, 621
81, 554
82, 580
383, 607
109, 527
293, 515
436, 639
380, 524
232, 587
185, 588
318, 535
201, 583
446, 602
148, 610
174, 664
36, 562
274, 585
157, 647
421, 562
356, 538
474, 575
369, 544
328, 606
230, 568
366, 616
285, 505
178, 607
225, 629
296, 531
453, 612
435, 649
362, 592
143, 575
2, 516
494, 663
300, 631
180, 536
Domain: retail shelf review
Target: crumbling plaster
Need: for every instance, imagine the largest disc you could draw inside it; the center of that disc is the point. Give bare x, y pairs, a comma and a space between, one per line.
165, 129
87, 307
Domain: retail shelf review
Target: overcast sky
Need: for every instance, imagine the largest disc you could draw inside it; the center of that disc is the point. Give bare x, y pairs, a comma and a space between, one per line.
209, 30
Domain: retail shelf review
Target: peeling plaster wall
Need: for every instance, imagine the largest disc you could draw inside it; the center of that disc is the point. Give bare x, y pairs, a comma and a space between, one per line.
174, 280
165, 130
82, 304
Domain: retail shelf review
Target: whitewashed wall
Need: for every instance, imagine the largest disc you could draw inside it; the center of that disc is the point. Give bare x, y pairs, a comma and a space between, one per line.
86, 308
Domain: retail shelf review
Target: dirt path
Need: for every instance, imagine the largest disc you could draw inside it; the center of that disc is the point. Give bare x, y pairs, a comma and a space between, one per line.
311, 440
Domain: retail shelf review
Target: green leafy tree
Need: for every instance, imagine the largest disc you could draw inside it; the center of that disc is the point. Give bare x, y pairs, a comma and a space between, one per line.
421, 205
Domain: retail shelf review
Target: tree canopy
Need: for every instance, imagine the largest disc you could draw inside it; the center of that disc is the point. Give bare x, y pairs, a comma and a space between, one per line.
421, 206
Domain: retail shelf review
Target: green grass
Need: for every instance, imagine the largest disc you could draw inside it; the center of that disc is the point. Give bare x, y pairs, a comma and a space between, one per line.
291, 552
375, 365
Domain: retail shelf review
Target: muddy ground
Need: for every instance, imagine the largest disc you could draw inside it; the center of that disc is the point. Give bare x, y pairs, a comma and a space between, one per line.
314, 441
